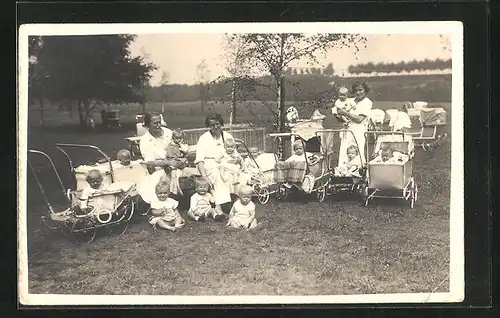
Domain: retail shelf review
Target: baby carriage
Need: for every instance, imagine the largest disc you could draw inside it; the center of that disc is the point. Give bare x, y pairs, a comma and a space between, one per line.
426, 123
263, 182
310, 175
110, 208
393, 178
353, 182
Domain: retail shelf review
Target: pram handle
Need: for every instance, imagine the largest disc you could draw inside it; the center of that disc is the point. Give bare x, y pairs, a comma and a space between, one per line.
240, 141
60, 146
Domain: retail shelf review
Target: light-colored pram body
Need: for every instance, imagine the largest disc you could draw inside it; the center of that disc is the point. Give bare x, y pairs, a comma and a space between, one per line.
111, 207
310, 175
392, 179
262, 181
425, 124
353, 183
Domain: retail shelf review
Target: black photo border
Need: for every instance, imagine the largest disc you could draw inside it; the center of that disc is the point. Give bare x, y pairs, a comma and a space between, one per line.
475, 17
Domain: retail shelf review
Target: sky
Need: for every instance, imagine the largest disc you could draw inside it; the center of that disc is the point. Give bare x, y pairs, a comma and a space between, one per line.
180, 53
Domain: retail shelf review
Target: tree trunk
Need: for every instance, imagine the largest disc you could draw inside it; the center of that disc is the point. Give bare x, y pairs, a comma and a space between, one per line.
81, 114
202, 98
232, 110
281, 103
143, 107
42, 117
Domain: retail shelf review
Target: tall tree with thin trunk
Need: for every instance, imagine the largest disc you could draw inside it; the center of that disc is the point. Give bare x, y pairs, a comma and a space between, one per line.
238, 69
164, 82
203, 77
273, 53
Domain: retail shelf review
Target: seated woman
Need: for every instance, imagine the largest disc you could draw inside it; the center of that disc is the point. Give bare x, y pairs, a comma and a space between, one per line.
153, 146
209, 152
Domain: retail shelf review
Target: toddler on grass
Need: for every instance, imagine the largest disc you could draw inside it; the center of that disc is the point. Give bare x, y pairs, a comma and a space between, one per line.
164, 211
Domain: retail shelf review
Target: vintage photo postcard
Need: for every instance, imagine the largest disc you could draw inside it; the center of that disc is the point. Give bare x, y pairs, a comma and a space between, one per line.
241, 163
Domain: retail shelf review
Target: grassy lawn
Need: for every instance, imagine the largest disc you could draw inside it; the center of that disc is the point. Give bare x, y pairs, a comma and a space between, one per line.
306, 248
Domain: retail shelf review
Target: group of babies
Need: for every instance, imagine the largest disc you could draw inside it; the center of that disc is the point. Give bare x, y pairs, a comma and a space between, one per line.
165, 214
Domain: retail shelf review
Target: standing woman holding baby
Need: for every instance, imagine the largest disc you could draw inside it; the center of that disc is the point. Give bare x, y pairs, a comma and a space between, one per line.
357, 118
209, 152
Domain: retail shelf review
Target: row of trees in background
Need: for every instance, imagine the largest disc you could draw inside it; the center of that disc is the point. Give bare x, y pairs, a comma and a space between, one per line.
304, 87
414, 65
326, 71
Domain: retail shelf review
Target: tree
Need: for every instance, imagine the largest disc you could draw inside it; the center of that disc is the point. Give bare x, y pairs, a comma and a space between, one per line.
164, 82
203, 76
91, 69
36, 75
238, 70
273, 53
329, 71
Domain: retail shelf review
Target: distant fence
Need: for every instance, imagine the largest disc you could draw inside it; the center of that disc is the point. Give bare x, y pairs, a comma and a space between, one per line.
252, 136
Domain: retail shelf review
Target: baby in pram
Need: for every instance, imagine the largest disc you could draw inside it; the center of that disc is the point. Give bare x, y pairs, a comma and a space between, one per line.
89, 201
386, 154
351, 167
293, 168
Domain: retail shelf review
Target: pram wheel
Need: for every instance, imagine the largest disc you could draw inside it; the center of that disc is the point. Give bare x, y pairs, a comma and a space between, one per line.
119, 228
427, 146
321, 194
48, 223
83, 231
282, 193
414, 194
263, 195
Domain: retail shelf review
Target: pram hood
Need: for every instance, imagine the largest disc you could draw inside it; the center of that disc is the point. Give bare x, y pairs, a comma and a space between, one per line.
433, 116
429, 116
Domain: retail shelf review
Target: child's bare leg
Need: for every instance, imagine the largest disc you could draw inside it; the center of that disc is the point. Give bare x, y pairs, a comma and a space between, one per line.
255, 226
192, 215
179, 222
165, 225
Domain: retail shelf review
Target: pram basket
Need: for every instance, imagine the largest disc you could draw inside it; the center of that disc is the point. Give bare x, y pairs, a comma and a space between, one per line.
83, 226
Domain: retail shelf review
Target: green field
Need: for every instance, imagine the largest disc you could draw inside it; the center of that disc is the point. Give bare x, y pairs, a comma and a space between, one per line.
306, 248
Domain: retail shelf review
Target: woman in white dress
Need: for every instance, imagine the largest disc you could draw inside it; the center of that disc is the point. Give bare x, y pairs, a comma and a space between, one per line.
153, 146
358, 124
209, 152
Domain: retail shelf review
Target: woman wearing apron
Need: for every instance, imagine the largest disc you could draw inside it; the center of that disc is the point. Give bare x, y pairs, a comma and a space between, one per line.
209, 152
358, 124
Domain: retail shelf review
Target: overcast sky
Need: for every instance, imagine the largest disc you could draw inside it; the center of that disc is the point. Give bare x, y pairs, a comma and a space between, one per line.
179, 54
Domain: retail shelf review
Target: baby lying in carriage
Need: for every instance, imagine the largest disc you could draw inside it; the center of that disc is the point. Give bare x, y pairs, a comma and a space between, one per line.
386, 154
350, 168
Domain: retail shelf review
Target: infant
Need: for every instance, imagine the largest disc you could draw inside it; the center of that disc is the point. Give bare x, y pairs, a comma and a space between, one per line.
231, 164
164, 211
387, 155
242, 215
201, 202
94, 185
176, 151
344, 103
123, 157
351, 167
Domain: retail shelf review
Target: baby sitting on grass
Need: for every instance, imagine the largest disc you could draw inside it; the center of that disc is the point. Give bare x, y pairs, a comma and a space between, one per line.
242, 215
164, 211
